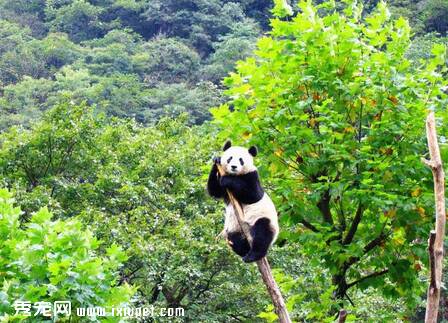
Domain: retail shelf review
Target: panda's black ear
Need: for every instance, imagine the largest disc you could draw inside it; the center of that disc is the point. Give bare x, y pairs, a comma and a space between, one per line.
253, 151
227, 145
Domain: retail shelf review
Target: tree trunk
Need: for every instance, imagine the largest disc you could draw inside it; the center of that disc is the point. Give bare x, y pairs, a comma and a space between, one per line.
263, 264
340, 282
342, 316
436, 238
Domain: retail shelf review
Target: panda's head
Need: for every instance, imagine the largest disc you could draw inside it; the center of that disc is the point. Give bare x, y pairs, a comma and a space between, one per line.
238, 160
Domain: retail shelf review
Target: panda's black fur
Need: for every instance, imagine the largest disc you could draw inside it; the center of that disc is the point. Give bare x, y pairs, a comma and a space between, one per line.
245, 186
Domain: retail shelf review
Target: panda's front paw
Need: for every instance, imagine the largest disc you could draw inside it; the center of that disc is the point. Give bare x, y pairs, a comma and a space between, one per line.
217, 160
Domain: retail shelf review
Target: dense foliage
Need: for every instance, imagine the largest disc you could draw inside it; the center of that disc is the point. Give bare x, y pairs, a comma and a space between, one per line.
140, 59
58, 260
139, 188
105, 144
340, 120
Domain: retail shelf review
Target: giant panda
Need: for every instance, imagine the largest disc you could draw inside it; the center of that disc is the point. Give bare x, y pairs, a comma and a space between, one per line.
241, 179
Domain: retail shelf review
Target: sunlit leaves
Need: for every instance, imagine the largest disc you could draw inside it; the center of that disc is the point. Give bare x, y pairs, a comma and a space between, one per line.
282, 8
54, 260
338, 111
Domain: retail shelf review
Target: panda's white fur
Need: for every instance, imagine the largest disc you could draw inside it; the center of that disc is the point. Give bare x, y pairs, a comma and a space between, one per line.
252, 212
233, 166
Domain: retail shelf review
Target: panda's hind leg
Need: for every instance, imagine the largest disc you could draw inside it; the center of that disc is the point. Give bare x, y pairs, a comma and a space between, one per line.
239, 243
262, 236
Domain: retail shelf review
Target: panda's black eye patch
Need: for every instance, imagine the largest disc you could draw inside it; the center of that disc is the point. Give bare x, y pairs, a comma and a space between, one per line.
241, 161
228, 160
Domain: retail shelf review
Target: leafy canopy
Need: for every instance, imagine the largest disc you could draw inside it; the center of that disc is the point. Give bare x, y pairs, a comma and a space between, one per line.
338, 112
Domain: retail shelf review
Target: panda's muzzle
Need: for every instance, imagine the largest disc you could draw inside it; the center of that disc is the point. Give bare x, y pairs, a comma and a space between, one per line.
234, 167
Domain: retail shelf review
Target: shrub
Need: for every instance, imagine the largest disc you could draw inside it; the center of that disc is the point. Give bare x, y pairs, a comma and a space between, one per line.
45, 260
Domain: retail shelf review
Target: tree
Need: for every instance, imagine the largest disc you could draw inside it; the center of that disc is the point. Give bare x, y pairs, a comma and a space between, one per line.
201, 22
26, 59
338, 113
58, 51
142, 189
29, 14
258, 10
24, 101
175, 99
436, 16
166, 60
421, 46
79, 19
234, 46
12, 35
47, 261
116, 54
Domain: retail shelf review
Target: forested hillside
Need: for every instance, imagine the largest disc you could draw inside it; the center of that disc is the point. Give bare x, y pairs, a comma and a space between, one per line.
139, 59
111, 112
142, 59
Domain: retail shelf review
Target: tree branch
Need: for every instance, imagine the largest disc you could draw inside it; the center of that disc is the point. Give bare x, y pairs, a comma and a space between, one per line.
50, 157
128, 277
375, 274
308, 225
65, 156
208, 283
156, 290
304, 222
341, 215
354, 227
371, 245
30, 175
324, 207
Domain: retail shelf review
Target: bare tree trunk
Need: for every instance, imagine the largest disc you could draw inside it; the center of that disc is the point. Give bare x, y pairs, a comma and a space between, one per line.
436, 238
263, 264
